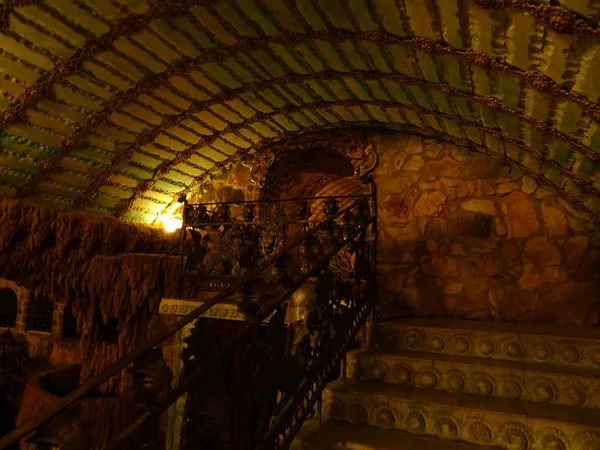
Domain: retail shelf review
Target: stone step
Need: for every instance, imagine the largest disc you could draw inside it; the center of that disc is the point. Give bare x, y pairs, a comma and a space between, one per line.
546, 383
506, 423
340, 435
564, 346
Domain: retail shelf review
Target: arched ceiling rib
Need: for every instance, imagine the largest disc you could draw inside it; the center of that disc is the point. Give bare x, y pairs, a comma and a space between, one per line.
119, 106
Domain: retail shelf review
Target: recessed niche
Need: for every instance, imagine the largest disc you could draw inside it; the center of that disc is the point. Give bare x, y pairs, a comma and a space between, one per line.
478, 226
39, 315
109, 332
8, 308
61, 381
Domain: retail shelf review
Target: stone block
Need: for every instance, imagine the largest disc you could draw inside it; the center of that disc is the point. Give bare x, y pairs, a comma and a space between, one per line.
445, 167
414, 164
482, 166
541, 263
554, 219
575, 248
511, 304
570, 303
528, 185
430, 204
520, 215
480, 206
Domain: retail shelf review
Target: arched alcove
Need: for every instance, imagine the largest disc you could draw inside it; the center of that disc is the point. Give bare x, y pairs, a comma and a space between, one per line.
9, 305
40, 312
308, 173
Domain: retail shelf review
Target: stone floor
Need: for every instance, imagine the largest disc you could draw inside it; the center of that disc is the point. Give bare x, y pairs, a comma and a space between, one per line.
461, 385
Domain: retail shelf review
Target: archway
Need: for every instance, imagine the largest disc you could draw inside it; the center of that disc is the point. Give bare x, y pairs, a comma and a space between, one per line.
309, 173
9, 306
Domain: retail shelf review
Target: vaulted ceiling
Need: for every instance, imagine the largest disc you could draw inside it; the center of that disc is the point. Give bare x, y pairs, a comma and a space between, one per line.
117, 107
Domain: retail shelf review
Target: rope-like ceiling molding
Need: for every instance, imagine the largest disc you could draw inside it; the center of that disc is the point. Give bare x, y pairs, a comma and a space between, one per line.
537, 81
584, 185
558, 18
318, 135
290, 109
555, 17
134, 23
8, 8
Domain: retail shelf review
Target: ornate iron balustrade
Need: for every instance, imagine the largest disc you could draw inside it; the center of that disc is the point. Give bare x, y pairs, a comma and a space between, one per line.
223, 241
334, 270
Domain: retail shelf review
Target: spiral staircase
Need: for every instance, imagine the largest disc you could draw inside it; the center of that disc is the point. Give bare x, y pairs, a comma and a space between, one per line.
461, 385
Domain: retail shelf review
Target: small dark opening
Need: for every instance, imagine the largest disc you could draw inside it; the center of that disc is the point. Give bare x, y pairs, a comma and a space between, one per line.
39, 315
109, 332
479, 226
9, 306
69, 324
62, 381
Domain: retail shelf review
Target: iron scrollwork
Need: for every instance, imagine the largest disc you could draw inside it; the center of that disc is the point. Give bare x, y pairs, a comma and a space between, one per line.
298, 352
309, 353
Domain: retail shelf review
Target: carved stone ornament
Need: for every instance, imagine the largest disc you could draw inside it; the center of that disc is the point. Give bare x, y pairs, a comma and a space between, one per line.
261, 163
360, 154
179, 307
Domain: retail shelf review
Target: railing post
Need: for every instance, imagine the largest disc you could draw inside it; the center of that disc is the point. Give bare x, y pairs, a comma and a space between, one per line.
320, 409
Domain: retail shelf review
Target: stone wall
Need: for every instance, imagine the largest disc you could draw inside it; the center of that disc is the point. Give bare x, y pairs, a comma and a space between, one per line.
47, 346
464, 236
22, 295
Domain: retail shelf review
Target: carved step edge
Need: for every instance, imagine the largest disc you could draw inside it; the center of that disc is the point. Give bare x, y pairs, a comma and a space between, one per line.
506, 423
493, 340
544, 383
340, 435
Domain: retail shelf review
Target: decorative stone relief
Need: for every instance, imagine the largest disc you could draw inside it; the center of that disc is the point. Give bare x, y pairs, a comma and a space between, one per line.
499, 380
521, 346
498, 428
225, 311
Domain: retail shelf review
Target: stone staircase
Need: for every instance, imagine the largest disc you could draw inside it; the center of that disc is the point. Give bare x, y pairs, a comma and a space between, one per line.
447, 384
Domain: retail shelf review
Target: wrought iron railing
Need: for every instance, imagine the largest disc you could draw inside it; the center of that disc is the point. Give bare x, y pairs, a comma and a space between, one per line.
331, 261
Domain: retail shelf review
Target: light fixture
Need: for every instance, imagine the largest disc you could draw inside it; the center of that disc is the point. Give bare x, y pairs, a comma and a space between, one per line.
170, 223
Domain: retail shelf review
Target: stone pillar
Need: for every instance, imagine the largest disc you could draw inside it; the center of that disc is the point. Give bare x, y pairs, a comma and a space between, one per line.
57, 318
175, 420
24, 299
22, 295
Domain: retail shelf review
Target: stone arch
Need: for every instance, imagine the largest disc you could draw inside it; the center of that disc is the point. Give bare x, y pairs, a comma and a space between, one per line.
309, 171
304, 173
9, 308
22, 295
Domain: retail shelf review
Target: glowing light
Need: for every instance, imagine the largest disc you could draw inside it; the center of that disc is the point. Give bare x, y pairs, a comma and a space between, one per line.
170, 223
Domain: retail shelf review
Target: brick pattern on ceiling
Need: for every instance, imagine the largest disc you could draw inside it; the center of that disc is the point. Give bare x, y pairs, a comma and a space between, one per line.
117, 107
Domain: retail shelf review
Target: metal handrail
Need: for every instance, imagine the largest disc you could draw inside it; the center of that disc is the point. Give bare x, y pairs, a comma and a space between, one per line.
263, 313
125, 360
285, 200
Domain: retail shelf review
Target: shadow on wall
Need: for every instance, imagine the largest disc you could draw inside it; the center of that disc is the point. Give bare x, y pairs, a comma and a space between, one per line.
7, 424
464, 236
